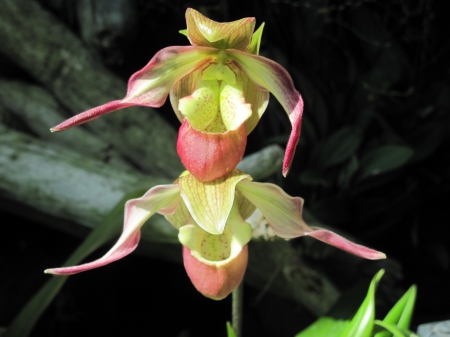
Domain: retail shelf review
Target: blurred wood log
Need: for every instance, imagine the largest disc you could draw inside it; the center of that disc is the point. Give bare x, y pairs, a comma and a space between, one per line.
43, 46
32, 106
61, 182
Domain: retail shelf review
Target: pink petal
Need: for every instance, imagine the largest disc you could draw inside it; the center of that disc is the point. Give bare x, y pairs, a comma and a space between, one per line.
273, 77
90, 115
340, 242
150, 85
209, 156
137, 212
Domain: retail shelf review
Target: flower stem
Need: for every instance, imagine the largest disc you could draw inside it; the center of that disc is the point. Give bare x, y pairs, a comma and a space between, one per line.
236, 309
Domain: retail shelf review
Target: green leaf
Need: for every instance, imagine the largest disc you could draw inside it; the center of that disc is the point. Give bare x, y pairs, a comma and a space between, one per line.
339, 322
325, 326
383, 159
24, 322
338, 147
362, 323
253, 48
183, 32
347, 172
427, 139
401, 313
230, 331
393, 330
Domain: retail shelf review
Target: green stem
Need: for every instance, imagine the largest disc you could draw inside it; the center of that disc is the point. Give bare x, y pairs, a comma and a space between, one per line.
236, 309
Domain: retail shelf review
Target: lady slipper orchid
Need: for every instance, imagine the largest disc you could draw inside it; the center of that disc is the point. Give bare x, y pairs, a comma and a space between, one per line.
212, 228
219, 88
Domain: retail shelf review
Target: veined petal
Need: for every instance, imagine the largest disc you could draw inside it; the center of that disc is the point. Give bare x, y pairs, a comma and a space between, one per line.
340, 242
202, 31
137, 211
210, 202
282, 212
179, 217
246, 208
273, 77
150, 85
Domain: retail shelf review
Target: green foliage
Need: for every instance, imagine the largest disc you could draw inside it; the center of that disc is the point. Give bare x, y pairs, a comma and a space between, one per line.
111, 227
383, 159
400, 315
363, 324
230, 331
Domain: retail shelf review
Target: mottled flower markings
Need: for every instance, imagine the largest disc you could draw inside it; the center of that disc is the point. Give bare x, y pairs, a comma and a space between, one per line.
215, 247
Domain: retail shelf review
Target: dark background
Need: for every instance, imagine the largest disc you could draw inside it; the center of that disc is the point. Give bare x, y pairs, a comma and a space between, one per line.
373, 161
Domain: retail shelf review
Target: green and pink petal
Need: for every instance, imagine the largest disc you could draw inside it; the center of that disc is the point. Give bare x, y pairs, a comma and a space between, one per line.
284, 215
150, 86
202, 31
273, 77
137, 212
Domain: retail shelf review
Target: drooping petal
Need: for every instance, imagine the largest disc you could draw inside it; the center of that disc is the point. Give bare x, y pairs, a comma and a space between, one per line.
210, 155
273, 77
150, 85
202, 31
216, 263
340, 242
137, 211
283, 212
210, 203
90, 114
284, 215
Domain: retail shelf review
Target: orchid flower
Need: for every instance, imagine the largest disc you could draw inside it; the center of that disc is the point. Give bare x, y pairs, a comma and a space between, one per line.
210, 218
219, 88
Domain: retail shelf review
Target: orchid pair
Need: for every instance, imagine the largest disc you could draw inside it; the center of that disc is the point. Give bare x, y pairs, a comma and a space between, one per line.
219, 88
